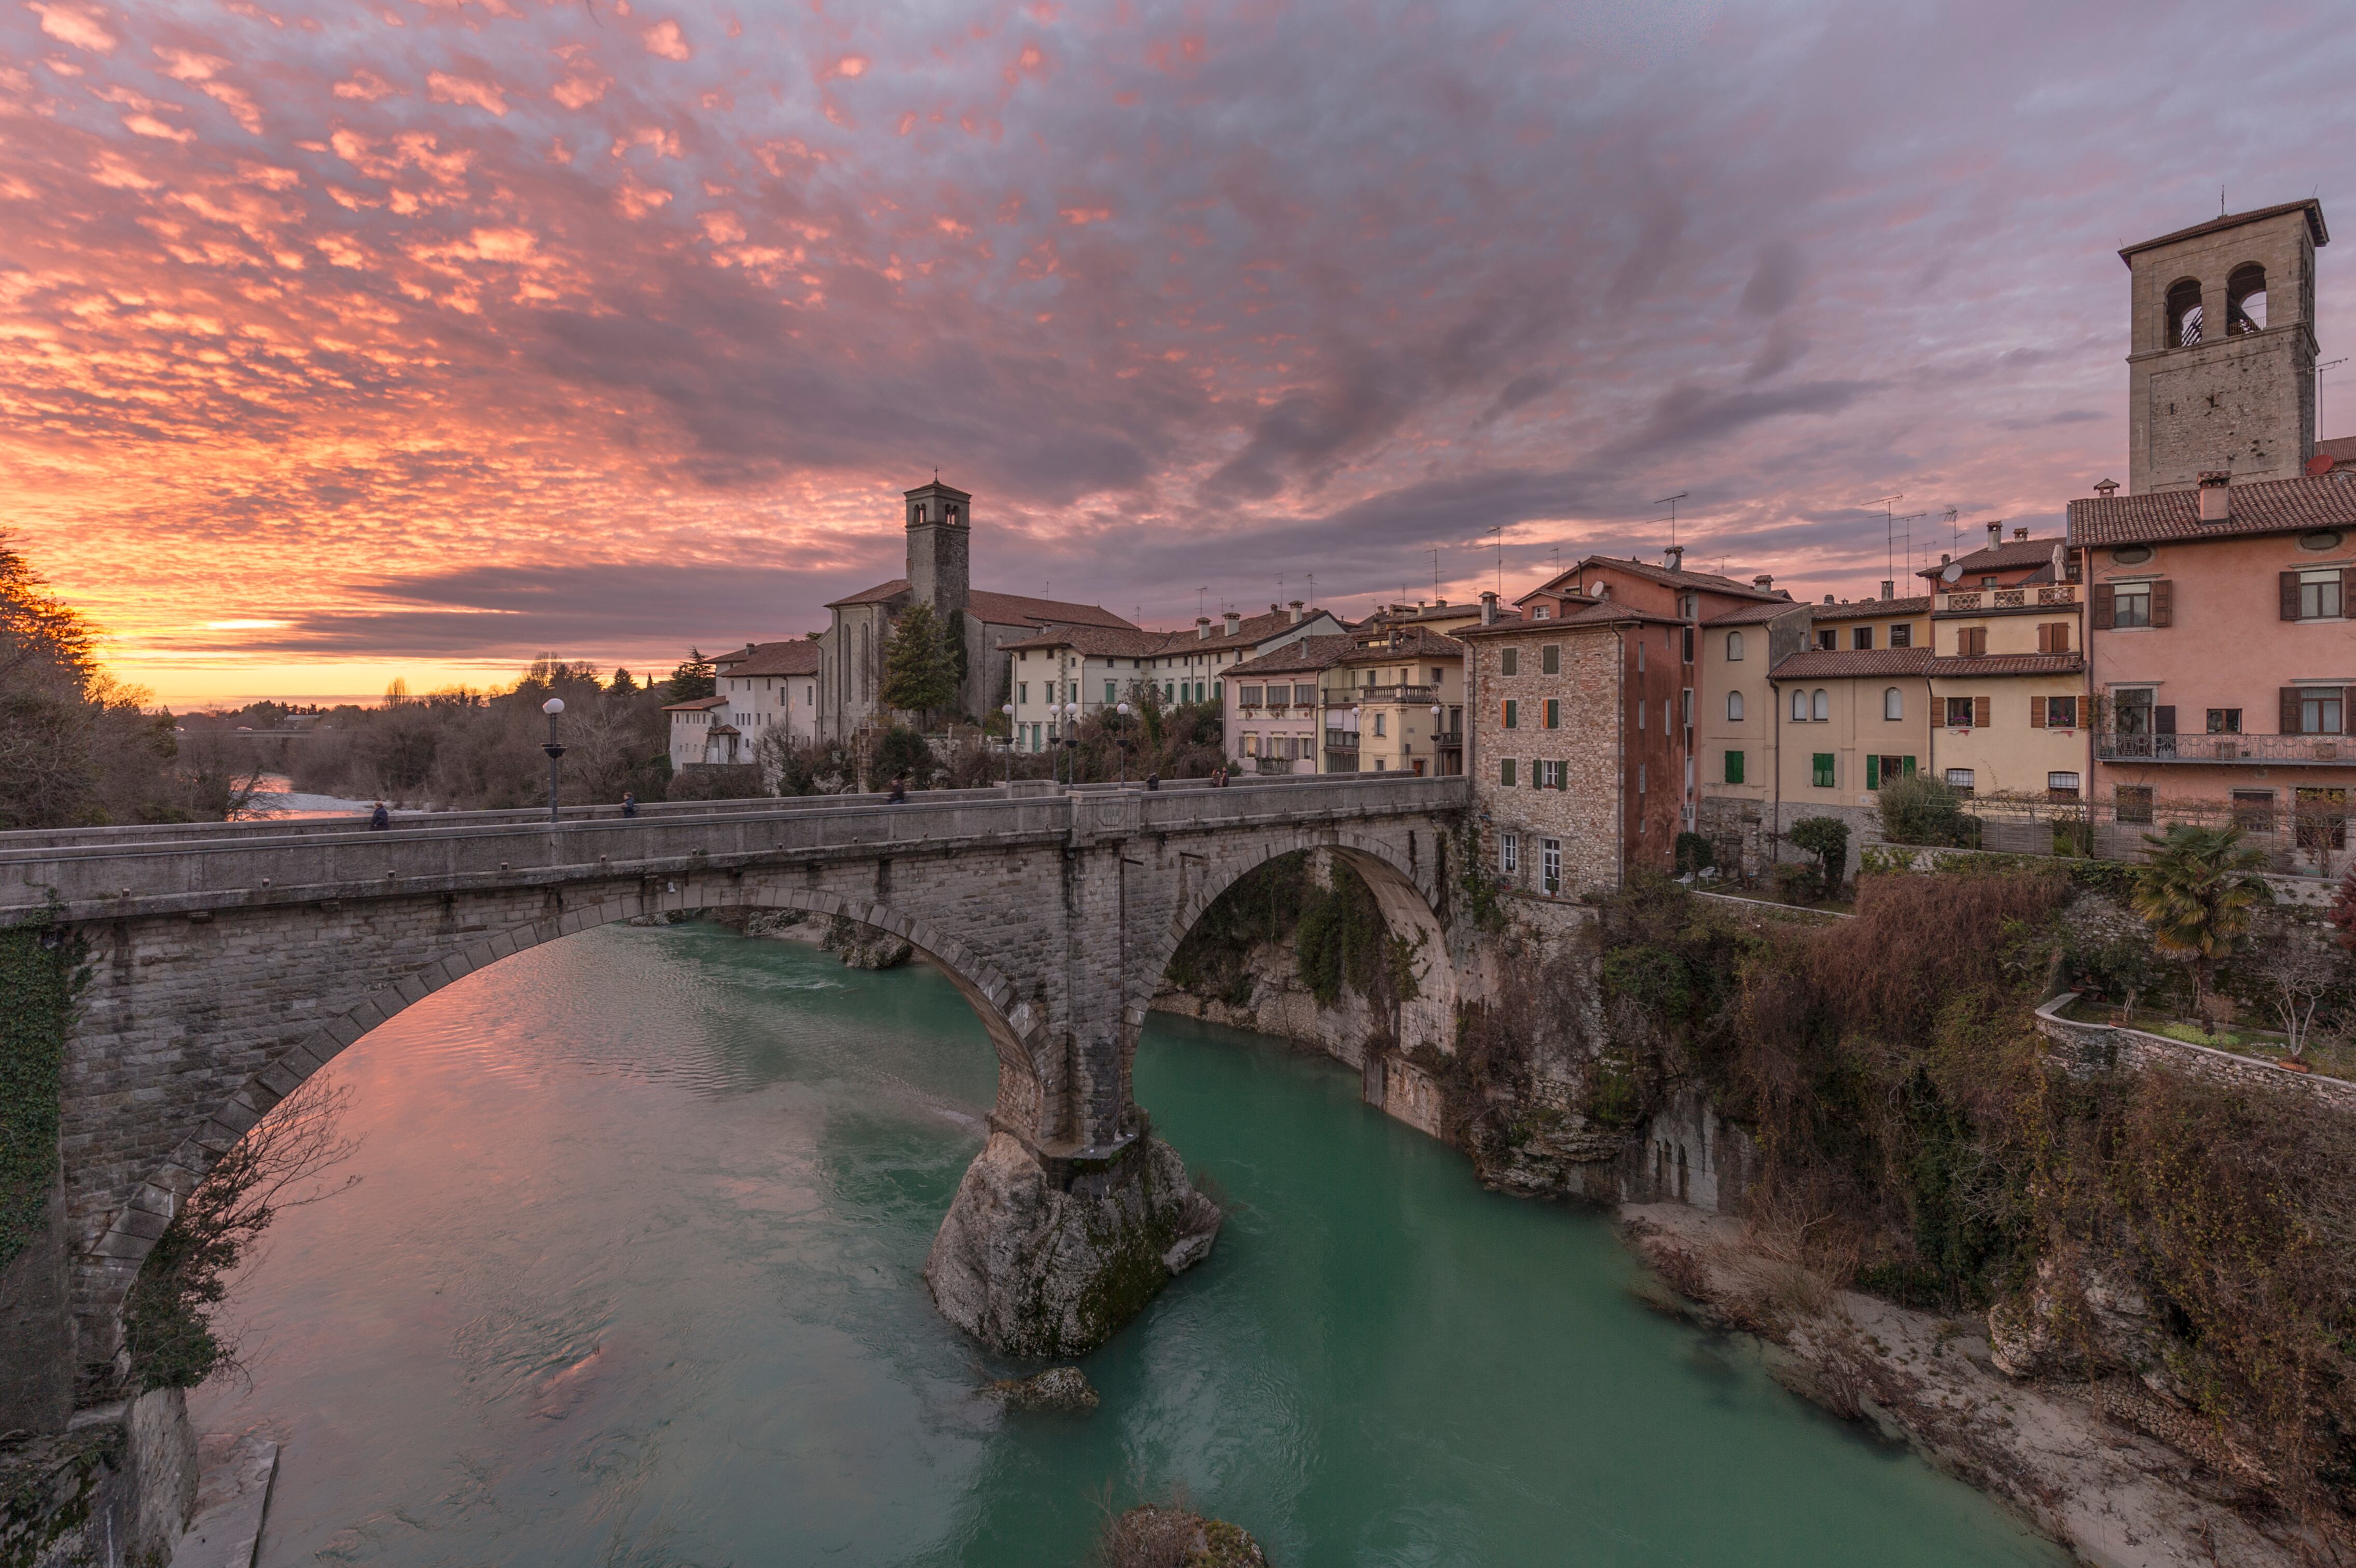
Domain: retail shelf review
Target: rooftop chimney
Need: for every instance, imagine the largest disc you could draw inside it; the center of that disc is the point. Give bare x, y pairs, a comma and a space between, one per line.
1942, 557
1235, 623
1296, 612
2216, 496
1202, 628
1674, 557
2107, 488
1996, 534
2021, 534
1888, 589
1488, 609
1764, 582
1828, 598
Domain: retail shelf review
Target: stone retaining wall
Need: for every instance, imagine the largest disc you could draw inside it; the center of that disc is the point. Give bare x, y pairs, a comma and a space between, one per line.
2086, 1049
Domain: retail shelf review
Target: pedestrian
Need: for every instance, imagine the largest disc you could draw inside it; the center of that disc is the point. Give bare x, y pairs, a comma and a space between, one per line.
1219, 777
379, 819
629, 804
899, 795
1154, 780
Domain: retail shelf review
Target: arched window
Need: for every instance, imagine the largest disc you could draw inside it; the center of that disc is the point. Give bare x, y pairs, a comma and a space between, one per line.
2246, 300
2184, 313
1734, 707
1893, 702
1799, 706
1821, 705
1734, 646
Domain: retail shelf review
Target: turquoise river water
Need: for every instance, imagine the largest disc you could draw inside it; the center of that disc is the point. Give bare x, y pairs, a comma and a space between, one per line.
631, 1277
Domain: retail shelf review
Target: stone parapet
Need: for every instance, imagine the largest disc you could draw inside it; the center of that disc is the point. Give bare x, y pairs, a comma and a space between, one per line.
2086, 1049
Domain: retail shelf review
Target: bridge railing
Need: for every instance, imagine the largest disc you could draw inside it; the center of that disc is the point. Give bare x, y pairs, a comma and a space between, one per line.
86, 880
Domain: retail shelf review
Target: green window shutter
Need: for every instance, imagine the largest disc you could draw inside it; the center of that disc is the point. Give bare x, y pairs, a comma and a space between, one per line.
1873, 773
1909, 767
1513, 714
1824, 768
1734, 767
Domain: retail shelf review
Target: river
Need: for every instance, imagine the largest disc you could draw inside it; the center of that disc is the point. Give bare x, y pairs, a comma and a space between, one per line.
631, 1276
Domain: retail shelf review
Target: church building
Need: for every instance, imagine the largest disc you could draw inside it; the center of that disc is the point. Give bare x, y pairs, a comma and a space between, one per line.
852, 650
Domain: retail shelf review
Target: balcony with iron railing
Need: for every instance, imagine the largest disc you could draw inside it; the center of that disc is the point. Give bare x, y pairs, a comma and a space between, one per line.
2209, 750
2039, 596
1341, 739
1394, 692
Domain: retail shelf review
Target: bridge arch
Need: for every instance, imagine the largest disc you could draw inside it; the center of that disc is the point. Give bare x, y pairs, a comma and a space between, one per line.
1398, 881
1016, 1028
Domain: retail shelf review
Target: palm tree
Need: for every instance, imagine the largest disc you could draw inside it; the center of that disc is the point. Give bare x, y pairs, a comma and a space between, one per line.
2196, 889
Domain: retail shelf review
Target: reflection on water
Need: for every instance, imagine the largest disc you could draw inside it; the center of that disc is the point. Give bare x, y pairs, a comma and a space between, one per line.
633, 1278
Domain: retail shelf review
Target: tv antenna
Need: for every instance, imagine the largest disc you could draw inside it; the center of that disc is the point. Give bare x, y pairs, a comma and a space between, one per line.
1313, 590
1889, 529
1671, 502
2327, 365
1435, 576
1499, 530
1910, 519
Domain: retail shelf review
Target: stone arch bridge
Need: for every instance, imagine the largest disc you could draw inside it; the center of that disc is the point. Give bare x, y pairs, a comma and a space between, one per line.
230, 961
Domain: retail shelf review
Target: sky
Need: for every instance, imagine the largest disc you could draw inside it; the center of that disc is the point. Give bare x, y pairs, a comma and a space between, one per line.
417, 338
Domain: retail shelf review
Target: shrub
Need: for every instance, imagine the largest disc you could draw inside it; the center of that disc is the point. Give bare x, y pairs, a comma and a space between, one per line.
1916, 807
900, 750
1694, 854
1797, 882
1827, 838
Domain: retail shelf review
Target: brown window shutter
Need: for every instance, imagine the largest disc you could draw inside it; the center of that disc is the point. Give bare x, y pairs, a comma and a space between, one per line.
2106, 606
2348, 590
2288, 722
2163, 602
2288, 583
2044, 638
2036, 710
2163, 719
2060, 636
1980, 712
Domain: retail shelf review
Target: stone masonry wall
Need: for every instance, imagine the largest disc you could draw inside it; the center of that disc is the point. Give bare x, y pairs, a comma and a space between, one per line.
1585, 816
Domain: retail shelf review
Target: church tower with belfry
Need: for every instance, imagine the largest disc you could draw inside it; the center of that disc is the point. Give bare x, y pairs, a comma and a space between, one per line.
940, 551
2221, 371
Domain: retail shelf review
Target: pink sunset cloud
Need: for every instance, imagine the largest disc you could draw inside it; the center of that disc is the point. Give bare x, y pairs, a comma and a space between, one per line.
459, 332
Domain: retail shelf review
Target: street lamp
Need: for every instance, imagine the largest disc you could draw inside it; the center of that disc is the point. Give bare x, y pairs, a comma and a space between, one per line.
1008, 708
1438, 715
1071, 742
553, 706
1121, 740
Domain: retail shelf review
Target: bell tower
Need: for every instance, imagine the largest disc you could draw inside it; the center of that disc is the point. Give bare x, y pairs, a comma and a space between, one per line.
2220, 372
940, 551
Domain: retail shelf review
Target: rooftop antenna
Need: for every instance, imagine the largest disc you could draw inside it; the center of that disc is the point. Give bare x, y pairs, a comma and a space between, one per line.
1910, 519
1889, 529
1435, 576
1671, 502
1199, 592
2327, 365
1313, 590
1499, 530
1955, 535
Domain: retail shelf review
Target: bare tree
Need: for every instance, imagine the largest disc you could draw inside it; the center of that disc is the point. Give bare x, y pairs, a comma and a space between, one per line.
2299, 970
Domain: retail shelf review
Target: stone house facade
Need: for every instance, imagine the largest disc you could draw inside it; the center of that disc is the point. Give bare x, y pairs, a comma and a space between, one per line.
761, 690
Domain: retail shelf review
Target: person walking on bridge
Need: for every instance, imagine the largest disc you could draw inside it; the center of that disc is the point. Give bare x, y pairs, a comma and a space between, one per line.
899, 795
629, 803
379, 819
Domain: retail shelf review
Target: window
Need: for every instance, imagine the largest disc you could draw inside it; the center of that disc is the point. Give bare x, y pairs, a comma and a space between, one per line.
1513, 714
1552, 775
1961, 779
2246, 300
1861, 639
1734, 707
1551, 863
1509, 849
1893, 702
1304, 695
1551, 714
2053, 713
2313, 595
2183, 314
2314, 710
1799, 708
1685, 706
1109, 694
1550, 659
1252, 743
1640, 778
1821, 769
1734, 646
2322, 539
1509, 661
1827, 639
1734, 767
1640, 716
2062, 786
2254, 811
1543, 612
2224, 721
1820, 705
1640, 653
1247, 696
2053, 636
1901, 635
1880, 771
2130, 604
1380, 720
2132, 711
2131, 554
1688, 606
2132, 803
1971, 641
1688, 644
1959, 713
1505, 771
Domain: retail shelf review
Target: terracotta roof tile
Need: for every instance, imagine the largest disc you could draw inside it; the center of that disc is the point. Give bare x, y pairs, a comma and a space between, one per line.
1755, 615
2010, 556
1309, 653
794, 656
697, 706
1838, 664
1956, 669
1021, 609
1867, 609
2274, 505
2313, 209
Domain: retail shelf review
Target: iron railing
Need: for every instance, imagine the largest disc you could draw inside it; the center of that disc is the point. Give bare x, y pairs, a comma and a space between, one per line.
2211, 750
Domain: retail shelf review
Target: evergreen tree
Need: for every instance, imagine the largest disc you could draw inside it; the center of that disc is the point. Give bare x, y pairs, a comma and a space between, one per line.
622, 684
2196, 889
919, 671
693, 679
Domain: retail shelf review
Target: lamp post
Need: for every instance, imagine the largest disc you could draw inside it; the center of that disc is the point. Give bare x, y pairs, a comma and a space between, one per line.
1439, 716
553, 706
1121, 740
1008, 708
1072, 744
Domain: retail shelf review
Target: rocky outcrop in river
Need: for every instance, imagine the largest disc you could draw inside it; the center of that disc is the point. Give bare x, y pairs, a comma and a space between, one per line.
1033, 1265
